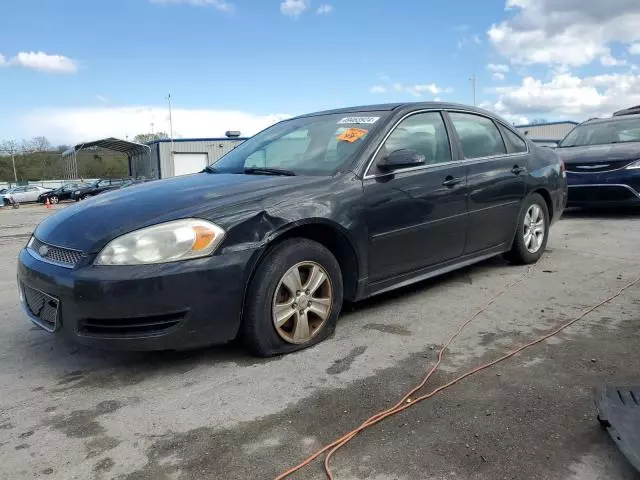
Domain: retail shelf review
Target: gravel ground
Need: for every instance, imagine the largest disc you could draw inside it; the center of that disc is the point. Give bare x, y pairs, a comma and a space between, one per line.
71, 412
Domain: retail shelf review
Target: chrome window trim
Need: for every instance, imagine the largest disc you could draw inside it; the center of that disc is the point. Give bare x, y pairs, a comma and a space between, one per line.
452, 162
628, 187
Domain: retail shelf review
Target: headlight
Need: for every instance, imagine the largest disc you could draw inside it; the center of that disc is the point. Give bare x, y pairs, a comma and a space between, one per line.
77, 192
635, 164
166, 242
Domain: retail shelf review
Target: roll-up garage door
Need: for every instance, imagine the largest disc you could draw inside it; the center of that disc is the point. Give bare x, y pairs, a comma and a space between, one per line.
185, 163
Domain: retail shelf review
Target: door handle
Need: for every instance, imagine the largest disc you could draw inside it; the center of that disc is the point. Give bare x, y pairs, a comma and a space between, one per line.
450, 181
517, 170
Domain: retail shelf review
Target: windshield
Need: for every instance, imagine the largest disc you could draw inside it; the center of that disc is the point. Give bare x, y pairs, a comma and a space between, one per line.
316, 145
602, 133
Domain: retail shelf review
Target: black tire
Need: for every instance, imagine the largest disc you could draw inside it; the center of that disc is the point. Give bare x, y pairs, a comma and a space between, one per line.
53, 200
85, 196
258, 332
519, 253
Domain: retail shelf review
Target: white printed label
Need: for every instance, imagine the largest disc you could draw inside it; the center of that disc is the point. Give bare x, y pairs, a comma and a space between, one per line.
368, 120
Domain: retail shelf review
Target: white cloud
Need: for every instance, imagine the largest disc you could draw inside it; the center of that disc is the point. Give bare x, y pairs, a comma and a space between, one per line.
416, 90
498, 76
221, 5
73, 125
101, 99
44, 62
569, 96
378, 89
566, 32
324, 9
293, 8
3, 61
634, 49
427, 88
609, 60
476, 39
500, 68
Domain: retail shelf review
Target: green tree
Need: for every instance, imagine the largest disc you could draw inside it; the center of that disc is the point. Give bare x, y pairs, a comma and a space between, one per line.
150, 137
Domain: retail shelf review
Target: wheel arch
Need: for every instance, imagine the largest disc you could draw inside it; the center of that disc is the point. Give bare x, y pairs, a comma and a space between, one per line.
329, 234
544, 193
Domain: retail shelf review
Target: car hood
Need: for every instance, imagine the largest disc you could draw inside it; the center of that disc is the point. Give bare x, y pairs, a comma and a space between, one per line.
599, 153
90, 224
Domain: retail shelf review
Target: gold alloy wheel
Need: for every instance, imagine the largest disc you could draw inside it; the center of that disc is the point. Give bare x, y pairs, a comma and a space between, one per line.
302, 302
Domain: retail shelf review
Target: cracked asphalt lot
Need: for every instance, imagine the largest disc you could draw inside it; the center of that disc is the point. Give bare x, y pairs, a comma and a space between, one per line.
71, 412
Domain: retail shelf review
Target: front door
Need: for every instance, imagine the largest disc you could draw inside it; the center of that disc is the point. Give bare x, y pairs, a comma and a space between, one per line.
495, 179
416, 216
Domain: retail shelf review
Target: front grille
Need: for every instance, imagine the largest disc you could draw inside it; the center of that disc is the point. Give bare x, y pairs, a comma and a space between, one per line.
600, 194
61, 256
43, 307
604, 166
130, 327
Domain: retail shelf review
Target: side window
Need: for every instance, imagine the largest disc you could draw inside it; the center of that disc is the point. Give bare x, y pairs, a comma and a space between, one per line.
514, 143
478, 135
423, 132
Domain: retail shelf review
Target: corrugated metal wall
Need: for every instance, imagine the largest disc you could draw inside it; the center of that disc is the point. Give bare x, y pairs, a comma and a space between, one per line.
147, 165
553, 131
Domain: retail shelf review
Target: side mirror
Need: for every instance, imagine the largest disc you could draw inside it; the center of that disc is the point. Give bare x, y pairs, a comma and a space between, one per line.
402, 158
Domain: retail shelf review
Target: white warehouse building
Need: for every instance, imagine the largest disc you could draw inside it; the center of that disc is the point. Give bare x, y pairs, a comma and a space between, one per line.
160, 158
166, 158
551, 131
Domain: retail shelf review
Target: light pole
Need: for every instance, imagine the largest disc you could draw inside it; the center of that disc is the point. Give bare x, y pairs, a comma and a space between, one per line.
170, 122
473, 81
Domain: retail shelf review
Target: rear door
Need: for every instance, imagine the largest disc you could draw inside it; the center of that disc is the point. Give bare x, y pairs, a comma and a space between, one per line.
495, 179
416, 216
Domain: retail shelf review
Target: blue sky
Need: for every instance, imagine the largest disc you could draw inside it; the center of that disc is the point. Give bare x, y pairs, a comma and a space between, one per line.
80, 69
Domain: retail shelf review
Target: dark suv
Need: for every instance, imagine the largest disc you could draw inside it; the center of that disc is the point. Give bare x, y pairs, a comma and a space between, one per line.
98, 187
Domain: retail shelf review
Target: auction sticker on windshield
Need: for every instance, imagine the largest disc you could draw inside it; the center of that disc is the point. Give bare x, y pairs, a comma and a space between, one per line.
368, 120
352, 134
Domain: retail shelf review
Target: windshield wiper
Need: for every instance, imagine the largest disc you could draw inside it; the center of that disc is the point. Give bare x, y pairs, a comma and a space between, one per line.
268, 171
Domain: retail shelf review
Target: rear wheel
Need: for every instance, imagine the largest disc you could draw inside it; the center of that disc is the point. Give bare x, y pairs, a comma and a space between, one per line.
533, 231
294, 299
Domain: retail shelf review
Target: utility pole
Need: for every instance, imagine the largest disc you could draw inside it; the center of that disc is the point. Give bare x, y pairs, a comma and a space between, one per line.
11, 147
13, 161
170, 123
473, 81
152, 133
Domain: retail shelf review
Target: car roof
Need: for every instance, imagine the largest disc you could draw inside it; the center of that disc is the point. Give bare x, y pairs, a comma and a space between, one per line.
619, 118
401, 106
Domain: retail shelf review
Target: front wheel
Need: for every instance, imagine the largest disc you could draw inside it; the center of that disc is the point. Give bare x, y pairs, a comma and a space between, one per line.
294, 299
85, 196
54, 200
533, 231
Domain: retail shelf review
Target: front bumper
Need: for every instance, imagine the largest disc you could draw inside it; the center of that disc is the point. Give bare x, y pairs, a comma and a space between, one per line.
152, 307
614, 188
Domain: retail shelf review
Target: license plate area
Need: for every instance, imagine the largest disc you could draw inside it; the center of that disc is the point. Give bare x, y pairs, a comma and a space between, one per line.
42, 308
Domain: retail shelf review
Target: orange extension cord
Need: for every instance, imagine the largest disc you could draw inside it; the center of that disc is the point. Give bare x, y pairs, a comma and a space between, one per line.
406, 400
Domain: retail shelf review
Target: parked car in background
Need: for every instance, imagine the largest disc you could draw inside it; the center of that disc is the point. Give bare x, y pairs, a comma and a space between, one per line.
26, 193
62, 193
97, 187
602, 158
542, 142
269, 241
